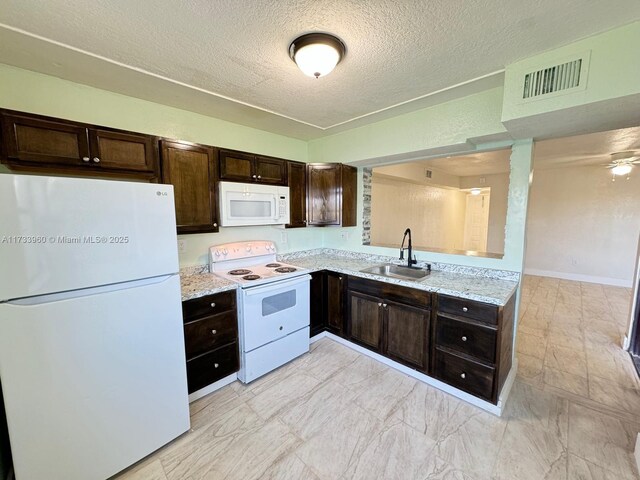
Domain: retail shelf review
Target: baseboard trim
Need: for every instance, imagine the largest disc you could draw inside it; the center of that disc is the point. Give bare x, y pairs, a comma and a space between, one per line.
203, 392
489, 407
615, 282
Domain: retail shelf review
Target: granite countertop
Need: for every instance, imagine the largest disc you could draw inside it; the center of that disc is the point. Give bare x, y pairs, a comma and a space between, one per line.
475, 286
483, 285
197, 282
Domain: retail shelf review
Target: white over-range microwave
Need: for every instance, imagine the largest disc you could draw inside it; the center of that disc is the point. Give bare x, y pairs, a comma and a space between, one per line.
244, 204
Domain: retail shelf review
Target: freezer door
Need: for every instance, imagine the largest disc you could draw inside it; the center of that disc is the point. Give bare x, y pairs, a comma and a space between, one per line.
94, 383
59, 234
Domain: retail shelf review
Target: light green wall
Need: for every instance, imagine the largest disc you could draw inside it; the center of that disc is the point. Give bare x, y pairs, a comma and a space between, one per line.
614, 71
43, 94
446, 124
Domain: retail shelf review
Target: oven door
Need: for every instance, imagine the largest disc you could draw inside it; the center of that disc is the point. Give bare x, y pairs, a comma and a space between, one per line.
273, 311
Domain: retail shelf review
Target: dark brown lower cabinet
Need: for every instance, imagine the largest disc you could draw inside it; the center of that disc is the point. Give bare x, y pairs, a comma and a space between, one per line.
407, 335
365, 320
327, 303
463, 343
334, 288
317, 304
211, 338
473, 345
380, 320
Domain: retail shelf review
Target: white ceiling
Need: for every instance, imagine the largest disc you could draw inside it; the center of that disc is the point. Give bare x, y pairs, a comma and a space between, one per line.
483, 163
585, 150
229, 59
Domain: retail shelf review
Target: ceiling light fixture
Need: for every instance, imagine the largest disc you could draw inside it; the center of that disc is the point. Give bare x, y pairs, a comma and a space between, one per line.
476, 191
622, 169
317, 54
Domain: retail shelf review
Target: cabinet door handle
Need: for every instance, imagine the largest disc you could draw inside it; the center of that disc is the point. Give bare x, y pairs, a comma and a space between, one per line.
216, 365
464, 338
463, 375
465, 309
213, 304
213, 332
254, 176
379, 304
340, 278
96, 160
215, 224
85, 159
384, 305
259, 177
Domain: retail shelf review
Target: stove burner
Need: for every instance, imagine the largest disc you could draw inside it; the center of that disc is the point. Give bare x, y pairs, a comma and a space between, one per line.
251, 277
272, 265
285, 269
239, 271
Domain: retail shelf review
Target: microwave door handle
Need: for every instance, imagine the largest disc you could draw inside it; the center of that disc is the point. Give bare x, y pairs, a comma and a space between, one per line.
276, 216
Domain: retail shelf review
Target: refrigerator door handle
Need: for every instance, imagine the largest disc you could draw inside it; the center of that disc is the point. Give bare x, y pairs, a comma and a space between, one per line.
84, 292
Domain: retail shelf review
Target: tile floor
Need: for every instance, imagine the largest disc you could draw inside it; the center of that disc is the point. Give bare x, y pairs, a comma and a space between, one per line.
337, 414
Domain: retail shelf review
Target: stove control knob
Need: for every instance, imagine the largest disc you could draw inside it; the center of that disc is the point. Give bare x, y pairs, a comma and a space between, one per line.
225, 252
217, 253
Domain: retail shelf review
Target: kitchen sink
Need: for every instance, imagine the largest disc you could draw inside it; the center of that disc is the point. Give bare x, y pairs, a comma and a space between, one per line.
398, 271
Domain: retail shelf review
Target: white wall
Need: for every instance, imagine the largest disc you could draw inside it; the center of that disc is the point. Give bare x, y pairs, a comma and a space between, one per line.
582, 225
435, 215
499, 184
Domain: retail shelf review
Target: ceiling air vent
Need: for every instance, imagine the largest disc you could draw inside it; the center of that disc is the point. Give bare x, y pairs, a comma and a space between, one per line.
427, 173
558, 78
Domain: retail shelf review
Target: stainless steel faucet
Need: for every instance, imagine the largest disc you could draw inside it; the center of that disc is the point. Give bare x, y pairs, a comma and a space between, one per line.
410, 261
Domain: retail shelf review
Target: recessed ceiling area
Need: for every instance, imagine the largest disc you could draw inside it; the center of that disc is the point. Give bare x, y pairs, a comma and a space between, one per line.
229, 59
585, 150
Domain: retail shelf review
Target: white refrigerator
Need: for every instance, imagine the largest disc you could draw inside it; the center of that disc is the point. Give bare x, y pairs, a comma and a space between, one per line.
92, 361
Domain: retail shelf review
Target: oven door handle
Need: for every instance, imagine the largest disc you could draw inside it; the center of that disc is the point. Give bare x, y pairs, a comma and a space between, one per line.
271, 287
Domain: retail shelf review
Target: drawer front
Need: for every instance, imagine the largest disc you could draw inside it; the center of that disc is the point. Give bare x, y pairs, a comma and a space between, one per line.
464, 374
476, 340
485, 312
390, 291
210, 332
209, 305
212, 366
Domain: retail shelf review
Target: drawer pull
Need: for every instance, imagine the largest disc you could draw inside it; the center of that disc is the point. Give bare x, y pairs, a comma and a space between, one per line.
465, 309
463, 375
213, 304
464, 339
216, 365
213, 332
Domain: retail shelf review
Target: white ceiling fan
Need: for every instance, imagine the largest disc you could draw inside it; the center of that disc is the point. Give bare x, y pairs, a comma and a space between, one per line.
622, 162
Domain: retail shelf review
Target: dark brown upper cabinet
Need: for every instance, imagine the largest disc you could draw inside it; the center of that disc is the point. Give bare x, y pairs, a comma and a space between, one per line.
191, 170
331, 194
50, 145
297, 181
247, 167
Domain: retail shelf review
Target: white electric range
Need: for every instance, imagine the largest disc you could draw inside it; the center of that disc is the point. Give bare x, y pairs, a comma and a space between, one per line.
273, 305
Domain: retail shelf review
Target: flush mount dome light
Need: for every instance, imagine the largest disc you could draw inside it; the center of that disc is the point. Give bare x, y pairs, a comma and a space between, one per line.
622, 169
476, 191
317, 54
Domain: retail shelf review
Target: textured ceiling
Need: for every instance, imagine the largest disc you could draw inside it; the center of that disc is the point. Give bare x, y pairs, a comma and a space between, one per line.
484, 163
230, 58
584, 150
